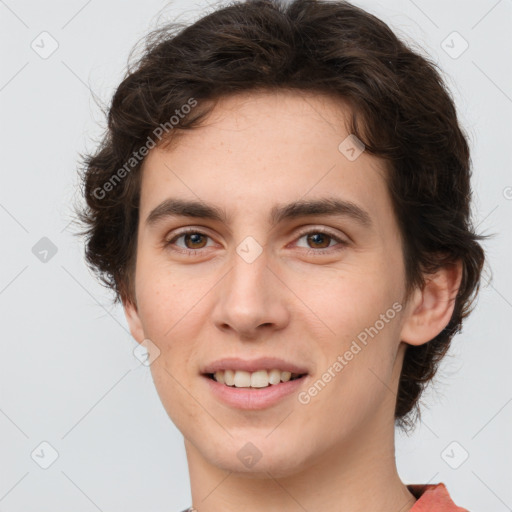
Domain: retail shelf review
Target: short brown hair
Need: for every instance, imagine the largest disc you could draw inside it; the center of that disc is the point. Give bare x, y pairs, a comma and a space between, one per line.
401, 110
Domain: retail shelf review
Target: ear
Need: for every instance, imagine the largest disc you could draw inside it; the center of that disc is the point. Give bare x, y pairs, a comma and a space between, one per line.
132, 316
429, 310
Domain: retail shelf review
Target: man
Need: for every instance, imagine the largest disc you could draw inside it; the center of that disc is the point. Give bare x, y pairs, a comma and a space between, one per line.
281, 203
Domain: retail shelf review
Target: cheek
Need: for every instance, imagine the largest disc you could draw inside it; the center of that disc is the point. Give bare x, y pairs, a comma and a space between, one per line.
158, 295
356, 317
171, 385
169, 309
346, 298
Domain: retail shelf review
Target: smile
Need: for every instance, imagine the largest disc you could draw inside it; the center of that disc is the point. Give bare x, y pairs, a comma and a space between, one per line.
257, 379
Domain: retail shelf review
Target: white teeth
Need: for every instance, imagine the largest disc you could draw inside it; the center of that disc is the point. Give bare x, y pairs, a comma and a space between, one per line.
258, 379
286, 376
242, 379
229, 377
274, 377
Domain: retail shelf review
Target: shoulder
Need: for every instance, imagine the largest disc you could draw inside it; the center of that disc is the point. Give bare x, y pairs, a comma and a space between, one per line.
432, 498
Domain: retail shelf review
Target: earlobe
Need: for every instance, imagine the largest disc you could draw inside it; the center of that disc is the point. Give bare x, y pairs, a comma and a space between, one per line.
133, 319
430, 309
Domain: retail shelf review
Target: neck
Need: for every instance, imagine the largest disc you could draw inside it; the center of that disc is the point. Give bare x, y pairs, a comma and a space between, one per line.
358, 475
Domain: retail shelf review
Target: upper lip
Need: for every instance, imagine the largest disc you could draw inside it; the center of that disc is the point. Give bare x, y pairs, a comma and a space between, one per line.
261, 363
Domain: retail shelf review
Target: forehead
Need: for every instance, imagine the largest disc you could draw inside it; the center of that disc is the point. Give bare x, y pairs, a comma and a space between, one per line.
257, 150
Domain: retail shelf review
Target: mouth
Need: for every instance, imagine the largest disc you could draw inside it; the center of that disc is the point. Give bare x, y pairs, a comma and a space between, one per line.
253, 380
254, 385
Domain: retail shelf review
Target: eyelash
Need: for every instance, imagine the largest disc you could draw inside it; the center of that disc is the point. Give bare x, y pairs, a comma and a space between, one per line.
194, 252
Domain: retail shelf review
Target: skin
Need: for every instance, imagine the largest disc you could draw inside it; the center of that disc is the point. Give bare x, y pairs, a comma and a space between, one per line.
335, 453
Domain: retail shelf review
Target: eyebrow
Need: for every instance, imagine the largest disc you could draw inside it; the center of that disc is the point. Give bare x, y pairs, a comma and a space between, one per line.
328, 206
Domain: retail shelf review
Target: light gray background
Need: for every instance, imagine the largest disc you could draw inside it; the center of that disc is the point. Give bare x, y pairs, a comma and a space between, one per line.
67, 372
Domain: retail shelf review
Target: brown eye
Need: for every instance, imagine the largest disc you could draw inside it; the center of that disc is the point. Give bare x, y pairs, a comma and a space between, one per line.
195, 240
319, 240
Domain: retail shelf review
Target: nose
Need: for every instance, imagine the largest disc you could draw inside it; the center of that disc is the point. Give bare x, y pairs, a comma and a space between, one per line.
251, 300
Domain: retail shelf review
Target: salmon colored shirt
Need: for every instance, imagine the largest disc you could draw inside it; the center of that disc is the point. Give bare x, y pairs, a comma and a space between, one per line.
430, 498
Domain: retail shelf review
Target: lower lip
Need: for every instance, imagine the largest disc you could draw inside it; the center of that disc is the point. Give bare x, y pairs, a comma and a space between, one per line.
254, 398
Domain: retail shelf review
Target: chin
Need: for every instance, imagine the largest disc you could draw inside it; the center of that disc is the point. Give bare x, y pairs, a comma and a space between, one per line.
253, 460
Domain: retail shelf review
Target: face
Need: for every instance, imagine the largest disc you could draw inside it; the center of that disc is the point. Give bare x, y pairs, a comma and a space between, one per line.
320, 290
